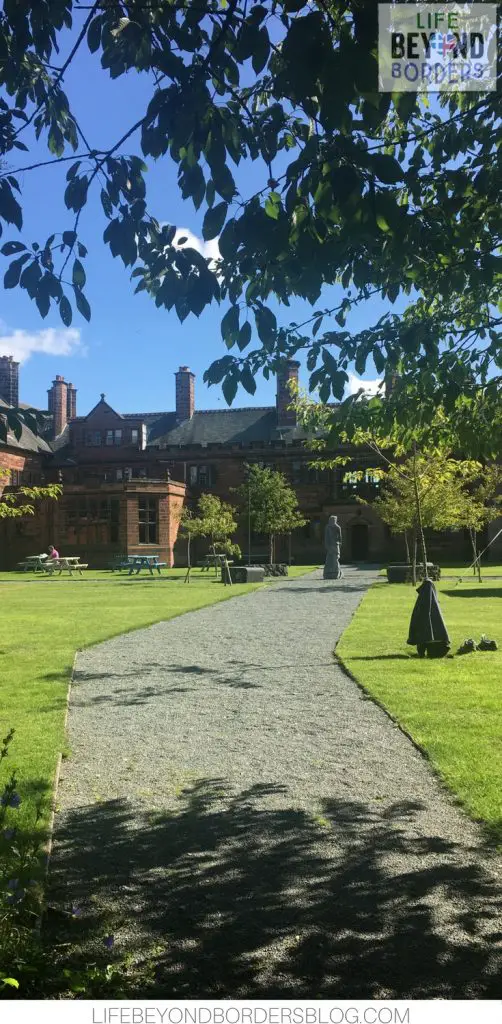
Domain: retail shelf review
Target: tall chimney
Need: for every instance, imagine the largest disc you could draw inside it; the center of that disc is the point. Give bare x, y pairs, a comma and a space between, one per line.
58, 404
185, 394
288, 372
9, 380
71, 402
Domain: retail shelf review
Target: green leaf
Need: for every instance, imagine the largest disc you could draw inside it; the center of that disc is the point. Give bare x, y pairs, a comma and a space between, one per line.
386, 168
244, 336
266, 325
229, 388
273, 205
214, 221
94, 34
261, 51
11, 247
10, 981
247, 380
78, 275
82, 304
10, 209
12, 275
230, 326
65, 311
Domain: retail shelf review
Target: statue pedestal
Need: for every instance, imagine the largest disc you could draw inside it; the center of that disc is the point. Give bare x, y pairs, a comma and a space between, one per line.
332, 569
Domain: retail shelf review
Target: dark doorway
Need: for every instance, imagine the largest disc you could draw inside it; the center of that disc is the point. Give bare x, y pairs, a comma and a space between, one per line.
359, 542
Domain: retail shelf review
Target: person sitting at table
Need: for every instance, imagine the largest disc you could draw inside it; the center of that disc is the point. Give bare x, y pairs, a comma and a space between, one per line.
52, 551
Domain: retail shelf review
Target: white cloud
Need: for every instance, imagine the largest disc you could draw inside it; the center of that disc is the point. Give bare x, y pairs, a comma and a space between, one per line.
53, 341
209, 250
370, 387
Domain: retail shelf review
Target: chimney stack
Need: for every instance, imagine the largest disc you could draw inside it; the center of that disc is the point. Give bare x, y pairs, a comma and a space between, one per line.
58, 404
185, 394
71, 403
288, 372
9, 381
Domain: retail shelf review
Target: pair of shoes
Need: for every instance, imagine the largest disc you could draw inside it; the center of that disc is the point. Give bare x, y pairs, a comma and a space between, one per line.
484, 645
467, 647
487, 645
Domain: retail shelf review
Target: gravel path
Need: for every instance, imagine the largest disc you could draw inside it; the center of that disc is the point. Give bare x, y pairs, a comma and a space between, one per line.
238, 813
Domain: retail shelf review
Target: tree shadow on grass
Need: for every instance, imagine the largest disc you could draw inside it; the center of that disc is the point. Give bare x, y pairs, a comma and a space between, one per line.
480, 591
238, 895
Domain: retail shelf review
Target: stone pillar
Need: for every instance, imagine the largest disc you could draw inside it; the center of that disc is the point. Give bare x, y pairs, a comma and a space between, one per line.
185, 394
9, 381
288, 372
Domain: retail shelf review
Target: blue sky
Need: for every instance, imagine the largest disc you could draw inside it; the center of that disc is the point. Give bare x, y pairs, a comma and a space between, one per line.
130, 350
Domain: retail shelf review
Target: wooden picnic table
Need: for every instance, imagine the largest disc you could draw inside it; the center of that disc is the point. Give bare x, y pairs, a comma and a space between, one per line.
67, 563
139, 562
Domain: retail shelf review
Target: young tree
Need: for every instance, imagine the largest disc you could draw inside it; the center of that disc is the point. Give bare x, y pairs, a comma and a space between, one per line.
440, 483
216, 521
481, 504
374, 191
273, 505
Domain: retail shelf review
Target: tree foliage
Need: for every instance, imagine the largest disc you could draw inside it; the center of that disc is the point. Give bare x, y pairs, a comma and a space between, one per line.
272, 504
215, 520
23, 500
378, 192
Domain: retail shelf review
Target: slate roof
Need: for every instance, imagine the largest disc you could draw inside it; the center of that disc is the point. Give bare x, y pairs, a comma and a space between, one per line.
222, 427
28, 442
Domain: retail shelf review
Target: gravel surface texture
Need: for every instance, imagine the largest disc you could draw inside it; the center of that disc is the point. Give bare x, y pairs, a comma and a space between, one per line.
247, 823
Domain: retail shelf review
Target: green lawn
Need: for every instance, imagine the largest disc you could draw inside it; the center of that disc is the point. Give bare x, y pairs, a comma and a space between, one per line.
45, 620
451, 707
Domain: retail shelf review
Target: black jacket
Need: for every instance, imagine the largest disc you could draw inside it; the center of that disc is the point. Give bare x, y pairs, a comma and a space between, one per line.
426, 624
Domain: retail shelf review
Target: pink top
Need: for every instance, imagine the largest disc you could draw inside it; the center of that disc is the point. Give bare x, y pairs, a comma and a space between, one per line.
54, 553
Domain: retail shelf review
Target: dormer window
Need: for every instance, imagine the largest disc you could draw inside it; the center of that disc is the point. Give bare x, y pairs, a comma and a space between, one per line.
135, 436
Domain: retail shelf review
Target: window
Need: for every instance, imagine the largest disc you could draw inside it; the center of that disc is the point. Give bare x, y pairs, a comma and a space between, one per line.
15, 478
127, 473
118, 437
109, 437
91, 521
93, 438
204, 476
201, 476
135, 436
147, 520
118, 474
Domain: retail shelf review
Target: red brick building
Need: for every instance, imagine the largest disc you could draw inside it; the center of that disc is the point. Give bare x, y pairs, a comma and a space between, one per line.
126, 475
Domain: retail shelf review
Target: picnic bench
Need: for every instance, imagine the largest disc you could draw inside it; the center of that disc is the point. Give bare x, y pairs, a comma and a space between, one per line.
42, 563
139, 562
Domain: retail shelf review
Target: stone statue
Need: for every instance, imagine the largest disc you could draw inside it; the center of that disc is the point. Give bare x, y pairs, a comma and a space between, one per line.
333, 545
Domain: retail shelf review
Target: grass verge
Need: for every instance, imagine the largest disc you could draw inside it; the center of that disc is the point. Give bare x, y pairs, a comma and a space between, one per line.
45, 621
451, 707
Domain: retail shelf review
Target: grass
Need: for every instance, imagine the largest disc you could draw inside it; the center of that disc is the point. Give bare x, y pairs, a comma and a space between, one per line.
45, 620
451, 707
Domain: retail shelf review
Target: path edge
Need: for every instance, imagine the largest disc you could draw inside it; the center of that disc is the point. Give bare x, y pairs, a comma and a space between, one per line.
454, 799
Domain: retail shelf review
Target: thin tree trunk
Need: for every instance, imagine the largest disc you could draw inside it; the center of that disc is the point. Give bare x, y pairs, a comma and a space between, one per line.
414, 557
407, 546
271, 552
476, 568
418, 509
